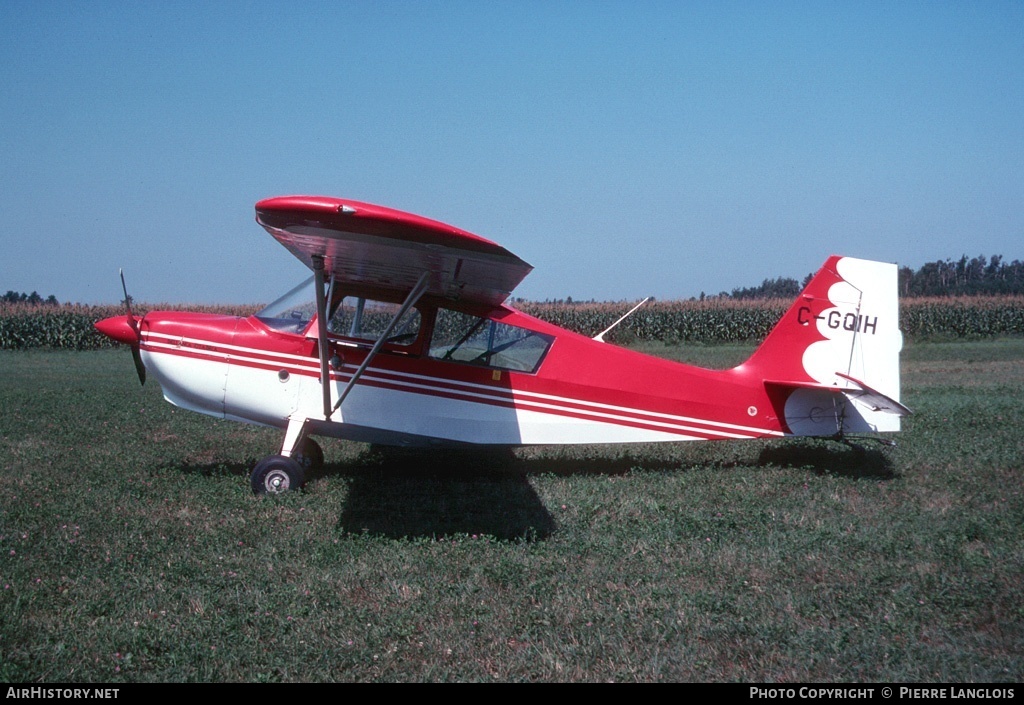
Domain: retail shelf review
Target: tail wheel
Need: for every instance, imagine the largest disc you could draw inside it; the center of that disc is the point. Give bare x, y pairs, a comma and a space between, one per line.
276, 474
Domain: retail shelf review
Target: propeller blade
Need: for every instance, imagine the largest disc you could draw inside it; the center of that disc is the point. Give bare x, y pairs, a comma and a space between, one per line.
127, 299
140, 368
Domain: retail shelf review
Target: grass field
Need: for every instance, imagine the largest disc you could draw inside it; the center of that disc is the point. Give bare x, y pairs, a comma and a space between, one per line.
131, 548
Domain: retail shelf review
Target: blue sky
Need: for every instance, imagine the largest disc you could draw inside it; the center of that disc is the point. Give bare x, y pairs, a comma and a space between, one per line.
624, 149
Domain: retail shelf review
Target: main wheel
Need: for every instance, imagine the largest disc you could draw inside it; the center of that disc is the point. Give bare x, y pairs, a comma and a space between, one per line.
309, 455
276, 474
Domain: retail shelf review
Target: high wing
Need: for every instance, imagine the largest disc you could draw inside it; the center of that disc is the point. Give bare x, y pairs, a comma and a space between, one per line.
366, 244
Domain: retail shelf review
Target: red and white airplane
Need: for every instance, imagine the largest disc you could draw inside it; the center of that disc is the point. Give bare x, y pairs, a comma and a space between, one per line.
402, 337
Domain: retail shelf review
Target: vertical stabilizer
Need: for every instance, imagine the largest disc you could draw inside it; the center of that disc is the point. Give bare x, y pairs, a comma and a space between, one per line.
832, 362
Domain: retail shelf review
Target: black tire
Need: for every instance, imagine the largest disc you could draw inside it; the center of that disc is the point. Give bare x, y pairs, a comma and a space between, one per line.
277, 474
310, 456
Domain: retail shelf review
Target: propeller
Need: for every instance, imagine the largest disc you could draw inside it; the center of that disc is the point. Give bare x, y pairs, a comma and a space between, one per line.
126, 329
136, 323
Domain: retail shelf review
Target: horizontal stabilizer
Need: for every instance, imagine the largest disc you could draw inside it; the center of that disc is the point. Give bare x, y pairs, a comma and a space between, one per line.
860, 391
874, 398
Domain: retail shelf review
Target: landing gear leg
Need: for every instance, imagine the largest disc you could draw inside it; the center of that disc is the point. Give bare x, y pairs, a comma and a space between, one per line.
279, 473
309, 455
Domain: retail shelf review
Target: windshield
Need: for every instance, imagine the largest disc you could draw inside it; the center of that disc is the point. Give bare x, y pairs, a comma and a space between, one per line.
292, 312
351, 316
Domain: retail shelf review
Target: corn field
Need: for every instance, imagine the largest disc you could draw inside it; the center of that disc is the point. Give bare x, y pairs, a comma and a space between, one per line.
70, 327
733, 321
709, 321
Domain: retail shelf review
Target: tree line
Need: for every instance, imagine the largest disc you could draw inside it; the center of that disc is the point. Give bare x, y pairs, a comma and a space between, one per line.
14, 297
964, 277
978, 276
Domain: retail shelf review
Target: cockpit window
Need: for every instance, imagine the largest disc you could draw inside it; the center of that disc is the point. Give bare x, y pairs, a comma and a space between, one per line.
365, 319
461, 337
292, 312
352, 317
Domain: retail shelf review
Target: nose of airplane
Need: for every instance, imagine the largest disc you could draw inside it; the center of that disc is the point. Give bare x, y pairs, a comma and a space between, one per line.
123, 329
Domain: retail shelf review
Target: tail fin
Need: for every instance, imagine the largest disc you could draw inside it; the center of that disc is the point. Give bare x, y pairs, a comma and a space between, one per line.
831, 365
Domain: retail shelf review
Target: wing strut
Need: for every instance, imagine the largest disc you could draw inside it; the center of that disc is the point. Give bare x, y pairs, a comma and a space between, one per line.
324, 343
417, 291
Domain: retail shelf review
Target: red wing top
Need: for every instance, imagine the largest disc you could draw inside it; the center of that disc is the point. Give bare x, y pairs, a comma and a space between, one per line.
372, 245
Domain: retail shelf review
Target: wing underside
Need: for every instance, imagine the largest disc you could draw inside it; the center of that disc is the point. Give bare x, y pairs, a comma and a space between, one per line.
388, 249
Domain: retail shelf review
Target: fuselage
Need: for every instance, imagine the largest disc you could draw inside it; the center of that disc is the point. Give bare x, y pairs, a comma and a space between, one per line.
574, 390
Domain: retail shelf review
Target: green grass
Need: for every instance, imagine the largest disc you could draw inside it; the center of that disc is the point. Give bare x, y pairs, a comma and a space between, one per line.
131, 548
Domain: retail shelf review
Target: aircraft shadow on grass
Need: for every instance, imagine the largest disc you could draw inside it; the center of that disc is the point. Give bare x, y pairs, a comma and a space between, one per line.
446, 494
440, 494
823, 457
